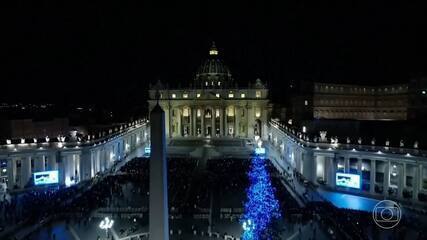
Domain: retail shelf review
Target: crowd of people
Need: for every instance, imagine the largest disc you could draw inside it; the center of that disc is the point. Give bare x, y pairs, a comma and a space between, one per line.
191, 189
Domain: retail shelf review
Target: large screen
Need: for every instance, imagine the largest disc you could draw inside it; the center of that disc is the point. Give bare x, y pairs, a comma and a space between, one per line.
260, 150
48, 177
348, 180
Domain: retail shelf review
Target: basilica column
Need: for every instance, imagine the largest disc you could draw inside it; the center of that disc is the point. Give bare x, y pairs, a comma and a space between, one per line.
372, 176
213, 130
202, 126
193, 121
191, 133
179, 111
236, 120
221, 122
225, 122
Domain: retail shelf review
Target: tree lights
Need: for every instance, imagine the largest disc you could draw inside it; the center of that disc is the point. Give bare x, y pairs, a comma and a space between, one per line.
261, 207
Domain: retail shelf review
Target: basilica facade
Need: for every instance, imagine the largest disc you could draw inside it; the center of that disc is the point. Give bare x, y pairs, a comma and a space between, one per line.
212, 105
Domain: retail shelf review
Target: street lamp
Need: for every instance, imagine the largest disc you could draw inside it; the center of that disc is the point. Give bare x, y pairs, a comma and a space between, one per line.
106, 224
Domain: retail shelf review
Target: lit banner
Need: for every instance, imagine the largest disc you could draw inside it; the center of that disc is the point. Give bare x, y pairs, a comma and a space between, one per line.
48, 177
348, 180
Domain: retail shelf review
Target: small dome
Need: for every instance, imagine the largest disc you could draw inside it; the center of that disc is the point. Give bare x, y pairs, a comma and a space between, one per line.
213, 73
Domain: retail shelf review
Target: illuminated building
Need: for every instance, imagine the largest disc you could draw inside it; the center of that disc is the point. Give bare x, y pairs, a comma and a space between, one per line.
213, 105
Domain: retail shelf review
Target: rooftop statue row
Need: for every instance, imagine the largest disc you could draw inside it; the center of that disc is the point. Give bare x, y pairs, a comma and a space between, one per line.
371, 144
74, 136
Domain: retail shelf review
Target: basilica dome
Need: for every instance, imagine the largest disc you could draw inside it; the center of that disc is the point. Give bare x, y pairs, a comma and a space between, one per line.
213, 73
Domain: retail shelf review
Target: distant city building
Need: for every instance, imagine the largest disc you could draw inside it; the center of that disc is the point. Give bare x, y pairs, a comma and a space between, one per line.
360, 102
214, 105
333, 101
30, 128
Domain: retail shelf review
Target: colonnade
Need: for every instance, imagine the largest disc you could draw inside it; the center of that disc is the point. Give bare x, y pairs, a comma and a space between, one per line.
73, 164
395, 175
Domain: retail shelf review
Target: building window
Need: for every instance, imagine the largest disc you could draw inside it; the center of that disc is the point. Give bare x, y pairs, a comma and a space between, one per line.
199, 113
213, 52
230, 111
219, 83
206, 83
185, 95
258, 94
305, 102
173, 112
217, 113
257, 112
198, 95
242, 95
186, 112
173, 95
231, 95
217, 95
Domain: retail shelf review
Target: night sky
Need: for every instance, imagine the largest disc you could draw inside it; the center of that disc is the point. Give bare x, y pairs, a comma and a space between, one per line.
108, 51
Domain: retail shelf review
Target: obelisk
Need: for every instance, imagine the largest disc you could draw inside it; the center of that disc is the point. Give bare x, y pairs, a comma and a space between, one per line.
159, 214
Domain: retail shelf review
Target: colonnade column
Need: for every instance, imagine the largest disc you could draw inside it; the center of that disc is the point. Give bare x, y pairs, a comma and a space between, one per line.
332, 169
417, 181
11, 173
372, 176
386, 184
402, 180
63, 169
309, 166
25, 170
51, 162
247, 120
359, 167
346, 164
39, 163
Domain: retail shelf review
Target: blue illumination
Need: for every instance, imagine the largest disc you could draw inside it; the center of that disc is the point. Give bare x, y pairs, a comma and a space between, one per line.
147, 150
260, 151
261, 207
